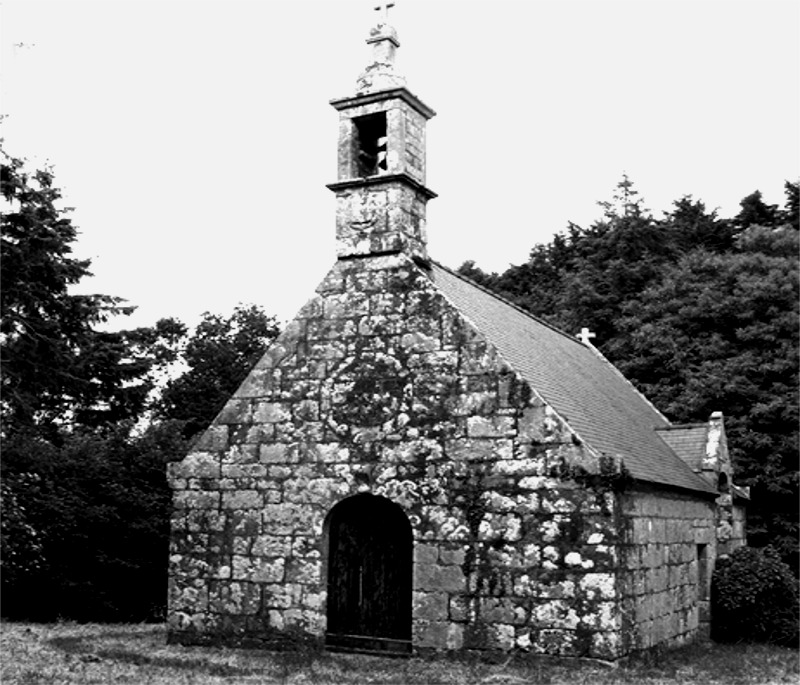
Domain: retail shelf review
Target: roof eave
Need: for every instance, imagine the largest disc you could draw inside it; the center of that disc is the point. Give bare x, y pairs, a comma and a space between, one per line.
705, 492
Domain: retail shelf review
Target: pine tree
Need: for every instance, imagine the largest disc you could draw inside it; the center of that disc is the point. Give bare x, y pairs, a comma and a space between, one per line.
57, 367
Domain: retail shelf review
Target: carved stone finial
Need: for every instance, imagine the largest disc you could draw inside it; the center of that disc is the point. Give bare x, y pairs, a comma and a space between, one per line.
380, 74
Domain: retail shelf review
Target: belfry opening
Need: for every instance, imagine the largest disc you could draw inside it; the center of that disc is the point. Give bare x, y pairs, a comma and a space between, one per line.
370, 141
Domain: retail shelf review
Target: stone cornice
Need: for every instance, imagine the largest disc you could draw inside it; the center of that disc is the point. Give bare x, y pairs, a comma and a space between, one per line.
393, 93
381, 179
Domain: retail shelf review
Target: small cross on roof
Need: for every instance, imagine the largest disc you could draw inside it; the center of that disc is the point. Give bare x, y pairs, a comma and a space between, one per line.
586, 335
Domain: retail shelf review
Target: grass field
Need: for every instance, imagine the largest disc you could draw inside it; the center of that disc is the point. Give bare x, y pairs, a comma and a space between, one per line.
67, 653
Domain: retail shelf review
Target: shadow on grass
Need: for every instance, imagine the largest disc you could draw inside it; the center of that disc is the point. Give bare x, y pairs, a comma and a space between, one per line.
95, 644
145, 647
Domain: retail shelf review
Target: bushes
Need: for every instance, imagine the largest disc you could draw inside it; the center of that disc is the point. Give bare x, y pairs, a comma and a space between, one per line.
85, 525
754, 598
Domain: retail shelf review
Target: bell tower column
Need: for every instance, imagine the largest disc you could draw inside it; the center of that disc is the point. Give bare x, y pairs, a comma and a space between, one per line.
380, 192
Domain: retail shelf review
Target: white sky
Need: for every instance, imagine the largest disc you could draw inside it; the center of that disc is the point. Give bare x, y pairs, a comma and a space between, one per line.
195, 139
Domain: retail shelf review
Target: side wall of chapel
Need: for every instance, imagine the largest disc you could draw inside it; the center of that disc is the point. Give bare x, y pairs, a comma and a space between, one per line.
381, 386
666, 561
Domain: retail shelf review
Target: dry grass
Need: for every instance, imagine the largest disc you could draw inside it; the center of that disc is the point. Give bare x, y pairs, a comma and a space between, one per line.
67, 653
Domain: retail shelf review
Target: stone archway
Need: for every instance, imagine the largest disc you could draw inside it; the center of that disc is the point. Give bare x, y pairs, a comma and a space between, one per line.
370, 552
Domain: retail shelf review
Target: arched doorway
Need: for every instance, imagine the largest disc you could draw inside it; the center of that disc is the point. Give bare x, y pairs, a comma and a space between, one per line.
369, 576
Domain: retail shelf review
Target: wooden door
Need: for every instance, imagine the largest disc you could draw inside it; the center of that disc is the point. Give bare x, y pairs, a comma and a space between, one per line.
369, 576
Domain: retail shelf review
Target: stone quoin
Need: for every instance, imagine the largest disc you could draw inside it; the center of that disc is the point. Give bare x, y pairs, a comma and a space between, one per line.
416, 465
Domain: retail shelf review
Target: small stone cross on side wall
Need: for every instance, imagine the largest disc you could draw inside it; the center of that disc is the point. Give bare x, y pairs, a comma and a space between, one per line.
585, 336
386, 6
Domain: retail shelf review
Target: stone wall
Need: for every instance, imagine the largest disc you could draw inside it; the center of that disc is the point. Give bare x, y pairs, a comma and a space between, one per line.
384, 217
731, 523
666, 564
738, 527
410, 129
381, 386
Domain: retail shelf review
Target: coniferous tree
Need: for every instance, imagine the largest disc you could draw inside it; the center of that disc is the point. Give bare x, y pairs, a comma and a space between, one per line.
791, 212
84, 507
754, 211
57, 367
690, 226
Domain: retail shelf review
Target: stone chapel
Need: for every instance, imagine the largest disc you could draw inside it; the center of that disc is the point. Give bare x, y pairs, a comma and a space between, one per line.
417, 465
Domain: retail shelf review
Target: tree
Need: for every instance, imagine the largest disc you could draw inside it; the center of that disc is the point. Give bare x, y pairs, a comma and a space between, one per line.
690, 226
538, 284
219, 354
583, 277
791, 212
624, 201
57, 368
754, 598
477, 275
94, 513
84, 507
20, 541
720, 332
756, 212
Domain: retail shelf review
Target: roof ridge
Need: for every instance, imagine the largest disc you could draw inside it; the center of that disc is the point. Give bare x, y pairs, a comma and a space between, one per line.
683, 426
508, 302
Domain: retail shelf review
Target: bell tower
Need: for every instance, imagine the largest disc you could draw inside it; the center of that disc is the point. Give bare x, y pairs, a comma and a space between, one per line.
380, 191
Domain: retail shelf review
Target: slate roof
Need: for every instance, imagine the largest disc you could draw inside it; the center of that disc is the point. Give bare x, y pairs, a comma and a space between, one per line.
688, 442
595, 399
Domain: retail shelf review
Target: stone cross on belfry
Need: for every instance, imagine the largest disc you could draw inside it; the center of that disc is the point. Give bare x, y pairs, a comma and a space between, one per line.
585, 336
386, 6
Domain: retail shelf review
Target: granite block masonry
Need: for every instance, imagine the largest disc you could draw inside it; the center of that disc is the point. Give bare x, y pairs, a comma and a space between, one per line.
417, 465
380, 386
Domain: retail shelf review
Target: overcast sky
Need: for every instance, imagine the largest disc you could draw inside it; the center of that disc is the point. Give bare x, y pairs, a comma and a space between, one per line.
195, 139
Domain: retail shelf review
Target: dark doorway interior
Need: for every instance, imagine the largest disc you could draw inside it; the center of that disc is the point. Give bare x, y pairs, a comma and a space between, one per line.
369, 576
